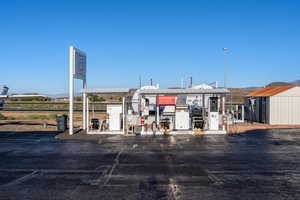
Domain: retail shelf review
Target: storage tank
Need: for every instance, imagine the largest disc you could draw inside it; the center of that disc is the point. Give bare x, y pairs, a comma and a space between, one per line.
136, 97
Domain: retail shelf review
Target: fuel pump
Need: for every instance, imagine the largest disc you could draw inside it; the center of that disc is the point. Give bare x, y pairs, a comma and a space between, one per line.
213, 115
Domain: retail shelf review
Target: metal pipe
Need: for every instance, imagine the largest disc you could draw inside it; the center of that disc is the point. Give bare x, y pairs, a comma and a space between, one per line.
84, 111
157, 112
140, 80
123, 110
93, 109
243, 113
181, 83
223, 112
84, 107
87, 114
71, 89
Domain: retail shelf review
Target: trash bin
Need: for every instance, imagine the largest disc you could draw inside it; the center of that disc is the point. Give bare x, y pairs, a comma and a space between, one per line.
61, 122
95, 124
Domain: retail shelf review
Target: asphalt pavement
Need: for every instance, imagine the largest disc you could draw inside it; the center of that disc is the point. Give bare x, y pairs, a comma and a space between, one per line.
257, 165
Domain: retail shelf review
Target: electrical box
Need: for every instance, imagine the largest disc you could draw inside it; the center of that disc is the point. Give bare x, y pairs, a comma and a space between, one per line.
182, 120
114, 117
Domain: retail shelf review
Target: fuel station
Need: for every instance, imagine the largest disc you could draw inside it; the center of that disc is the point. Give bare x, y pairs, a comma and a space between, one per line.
150, 110
199, 109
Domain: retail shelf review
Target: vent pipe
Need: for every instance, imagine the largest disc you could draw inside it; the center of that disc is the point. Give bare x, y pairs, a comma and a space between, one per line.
191, 82
140, 80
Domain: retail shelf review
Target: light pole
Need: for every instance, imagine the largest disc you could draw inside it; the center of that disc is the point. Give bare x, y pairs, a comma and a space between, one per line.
226, 50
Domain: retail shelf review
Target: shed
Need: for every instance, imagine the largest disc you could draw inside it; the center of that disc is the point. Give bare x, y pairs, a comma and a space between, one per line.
275, 106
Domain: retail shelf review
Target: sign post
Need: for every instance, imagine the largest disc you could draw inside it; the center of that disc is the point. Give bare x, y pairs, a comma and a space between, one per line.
77, 64
84, 112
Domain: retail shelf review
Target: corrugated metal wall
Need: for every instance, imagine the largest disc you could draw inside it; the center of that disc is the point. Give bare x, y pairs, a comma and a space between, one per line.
285, 107
284, 110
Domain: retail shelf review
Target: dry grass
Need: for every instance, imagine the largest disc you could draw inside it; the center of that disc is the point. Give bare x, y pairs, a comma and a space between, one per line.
33, 121
27, 125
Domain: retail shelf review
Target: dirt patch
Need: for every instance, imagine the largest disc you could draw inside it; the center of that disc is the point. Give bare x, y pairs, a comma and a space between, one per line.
47, 116
28, 125
244, 127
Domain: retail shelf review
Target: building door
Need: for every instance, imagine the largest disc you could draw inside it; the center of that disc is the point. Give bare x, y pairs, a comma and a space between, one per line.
263, 109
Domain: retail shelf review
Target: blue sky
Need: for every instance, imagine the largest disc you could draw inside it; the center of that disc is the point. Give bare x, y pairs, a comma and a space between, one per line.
163, 39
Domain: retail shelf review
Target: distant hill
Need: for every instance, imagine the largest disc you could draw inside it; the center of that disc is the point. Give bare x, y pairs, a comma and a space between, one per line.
251, 87
278, 84
238, 94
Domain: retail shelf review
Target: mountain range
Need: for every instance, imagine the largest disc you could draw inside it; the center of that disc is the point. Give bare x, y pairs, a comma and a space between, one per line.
273, 84
276, 84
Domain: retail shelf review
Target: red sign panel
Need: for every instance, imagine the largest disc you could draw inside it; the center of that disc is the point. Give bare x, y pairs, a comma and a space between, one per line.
142, 120
166, 100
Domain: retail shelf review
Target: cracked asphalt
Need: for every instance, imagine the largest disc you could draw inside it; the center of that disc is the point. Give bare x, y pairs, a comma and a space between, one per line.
256, 165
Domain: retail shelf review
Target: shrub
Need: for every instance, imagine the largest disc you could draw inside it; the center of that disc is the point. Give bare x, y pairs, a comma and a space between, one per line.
2, 117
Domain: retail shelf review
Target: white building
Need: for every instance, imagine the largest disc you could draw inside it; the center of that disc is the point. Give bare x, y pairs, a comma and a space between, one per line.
275, 106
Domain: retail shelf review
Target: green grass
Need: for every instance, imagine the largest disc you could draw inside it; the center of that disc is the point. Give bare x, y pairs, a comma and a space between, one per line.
11, 118
2, 117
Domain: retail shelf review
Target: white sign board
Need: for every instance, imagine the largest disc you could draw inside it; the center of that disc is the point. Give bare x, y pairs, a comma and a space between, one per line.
77, 66
79, 57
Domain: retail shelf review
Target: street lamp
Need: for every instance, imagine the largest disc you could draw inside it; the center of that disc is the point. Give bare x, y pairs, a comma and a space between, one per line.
226, 50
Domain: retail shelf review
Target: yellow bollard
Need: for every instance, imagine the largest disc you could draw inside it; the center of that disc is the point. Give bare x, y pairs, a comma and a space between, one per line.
198, 132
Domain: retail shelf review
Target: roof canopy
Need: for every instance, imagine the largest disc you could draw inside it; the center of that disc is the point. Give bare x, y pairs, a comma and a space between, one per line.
267, 92
124, 91
185, 91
